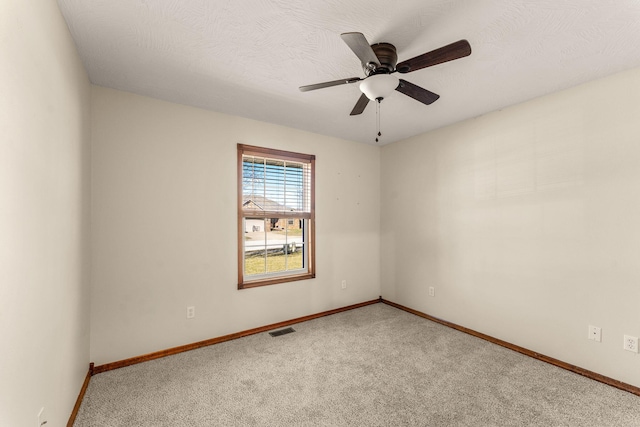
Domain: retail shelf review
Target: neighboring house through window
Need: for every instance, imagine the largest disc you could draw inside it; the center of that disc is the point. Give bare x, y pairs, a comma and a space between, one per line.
276, 216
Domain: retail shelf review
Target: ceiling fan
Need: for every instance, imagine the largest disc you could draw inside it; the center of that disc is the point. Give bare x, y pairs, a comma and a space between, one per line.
379, 63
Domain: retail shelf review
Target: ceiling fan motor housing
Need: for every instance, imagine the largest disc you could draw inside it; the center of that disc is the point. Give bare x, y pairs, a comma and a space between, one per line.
387, 56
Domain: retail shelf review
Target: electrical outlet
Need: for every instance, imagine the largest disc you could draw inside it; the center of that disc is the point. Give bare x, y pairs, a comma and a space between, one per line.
595, 333
630, 343
41, 418
432, 291
344, 284
191, 312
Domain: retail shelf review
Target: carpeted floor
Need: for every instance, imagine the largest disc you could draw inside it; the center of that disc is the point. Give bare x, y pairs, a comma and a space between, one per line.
373, 366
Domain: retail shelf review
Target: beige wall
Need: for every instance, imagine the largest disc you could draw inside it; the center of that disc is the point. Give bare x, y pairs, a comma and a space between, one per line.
527, 223
164, 226
44, 158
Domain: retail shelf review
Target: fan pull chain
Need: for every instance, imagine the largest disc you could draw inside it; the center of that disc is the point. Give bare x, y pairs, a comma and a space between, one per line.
378, 118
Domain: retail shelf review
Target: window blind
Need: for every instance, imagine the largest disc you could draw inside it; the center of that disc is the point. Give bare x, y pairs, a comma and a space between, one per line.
275, 187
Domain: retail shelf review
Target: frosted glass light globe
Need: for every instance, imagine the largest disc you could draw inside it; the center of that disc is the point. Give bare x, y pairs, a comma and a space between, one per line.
379, 86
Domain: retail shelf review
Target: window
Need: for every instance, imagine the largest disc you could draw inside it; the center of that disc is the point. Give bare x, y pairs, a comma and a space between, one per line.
276, 216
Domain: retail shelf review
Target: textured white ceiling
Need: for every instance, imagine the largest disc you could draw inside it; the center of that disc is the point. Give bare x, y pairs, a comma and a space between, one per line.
248, 58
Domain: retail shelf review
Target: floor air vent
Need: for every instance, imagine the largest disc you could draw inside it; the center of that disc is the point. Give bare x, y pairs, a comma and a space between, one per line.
281, 332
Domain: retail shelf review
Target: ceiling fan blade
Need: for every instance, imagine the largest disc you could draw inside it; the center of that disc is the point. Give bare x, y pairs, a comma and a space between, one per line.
329, 84
360, 46
447, 53
417, 93
360, 105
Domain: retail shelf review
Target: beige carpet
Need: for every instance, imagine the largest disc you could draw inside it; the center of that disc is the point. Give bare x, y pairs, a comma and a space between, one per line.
373, 366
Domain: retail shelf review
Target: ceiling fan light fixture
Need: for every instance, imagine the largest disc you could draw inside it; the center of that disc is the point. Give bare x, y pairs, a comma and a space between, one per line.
379, 86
